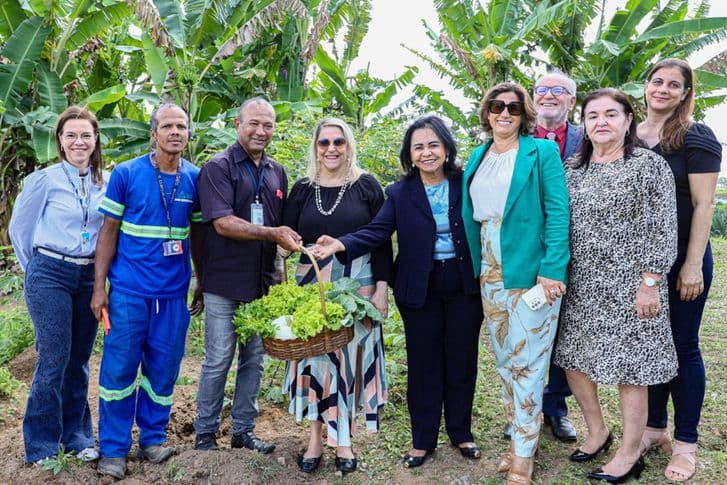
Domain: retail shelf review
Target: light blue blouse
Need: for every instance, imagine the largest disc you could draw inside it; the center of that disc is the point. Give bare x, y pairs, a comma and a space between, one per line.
49, 213
438, 196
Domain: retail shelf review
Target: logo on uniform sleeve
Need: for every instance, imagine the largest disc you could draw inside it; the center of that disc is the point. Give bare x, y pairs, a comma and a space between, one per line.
279, 194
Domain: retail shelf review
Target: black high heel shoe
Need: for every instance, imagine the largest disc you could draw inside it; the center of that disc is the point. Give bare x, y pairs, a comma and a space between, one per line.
581, 456
415, 461
472, 452
309, 465
346, 465
635, 471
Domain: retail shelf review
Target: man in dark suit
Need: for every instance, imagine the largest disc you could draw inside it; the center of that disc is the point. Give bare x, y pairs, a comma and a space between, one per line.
555, 97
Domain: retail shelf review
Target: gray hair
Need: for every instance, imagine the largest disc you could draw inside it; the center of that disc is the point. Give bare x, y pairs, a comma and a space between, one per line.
154, 121
255, 100
570, 84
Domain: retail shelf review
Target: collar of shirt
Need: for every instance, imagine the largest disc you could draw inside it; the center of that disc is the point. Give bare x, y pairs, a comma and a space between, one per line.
74, 171
560, 135
239, 155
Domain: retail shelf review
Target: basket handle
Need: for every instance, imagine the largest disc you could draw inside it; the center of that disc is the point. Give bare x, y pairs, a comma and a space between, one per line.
318, 277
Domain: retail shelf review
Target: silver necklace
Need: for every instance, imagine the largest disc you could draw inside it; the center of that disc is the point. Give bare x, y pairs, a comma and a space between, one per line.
339, 198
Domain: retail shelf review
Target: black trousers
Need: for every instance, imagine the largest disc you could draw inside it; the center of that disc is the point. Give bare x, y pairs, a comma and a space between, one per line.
441, 349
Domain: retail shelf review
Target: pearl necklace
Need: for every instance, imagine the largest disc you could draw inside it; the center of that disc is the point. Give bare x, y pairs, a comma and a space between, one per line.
339, 198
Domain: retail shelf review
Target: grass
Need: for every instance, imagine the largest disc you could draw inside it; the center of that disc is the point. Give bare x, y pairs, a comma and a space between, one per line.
380, 454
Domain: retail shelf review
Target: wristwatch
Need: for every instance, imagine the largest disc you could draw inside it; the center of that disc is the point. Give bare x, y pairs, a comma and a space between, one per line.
651, 282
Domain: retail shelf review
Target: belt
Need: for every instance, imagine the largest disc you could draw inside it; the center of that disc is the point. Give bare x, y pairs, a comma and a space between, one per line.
63, 257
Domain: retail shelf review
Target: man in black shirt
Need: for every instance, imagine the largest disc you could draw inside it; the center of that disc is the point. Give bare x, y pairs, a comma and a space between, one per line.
242, 192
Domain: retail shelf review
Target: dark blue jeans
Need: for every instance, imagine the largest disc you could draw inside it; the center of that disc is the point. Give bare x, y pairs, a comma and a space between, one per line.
687, 388
58, 297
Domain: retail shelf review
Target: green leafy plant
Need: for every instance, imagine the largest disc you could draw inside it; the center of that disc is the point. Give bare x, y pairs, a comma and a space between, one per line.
175, 472
343, 307
16, 333
60, 463
8, 384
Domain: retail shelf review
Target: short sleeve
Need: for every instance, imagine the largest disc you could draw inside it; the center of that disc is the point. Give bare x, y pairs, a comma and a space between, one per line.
196, 215
216, 193
294, 204
114, 202
704, 152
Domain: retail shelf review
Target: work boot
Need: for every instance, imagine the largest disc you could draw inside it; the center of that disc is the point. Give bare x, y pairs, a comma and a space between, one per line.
113, 467
155, 453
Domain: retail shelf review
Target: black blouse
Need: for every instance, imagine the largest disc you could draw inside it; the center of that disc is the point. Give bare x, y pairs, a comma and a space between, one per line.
360, 203
700, 153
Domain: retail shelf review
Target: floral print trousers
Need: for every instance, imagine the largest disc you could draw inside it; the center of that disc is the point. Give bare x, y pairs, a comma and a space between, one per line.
522, 340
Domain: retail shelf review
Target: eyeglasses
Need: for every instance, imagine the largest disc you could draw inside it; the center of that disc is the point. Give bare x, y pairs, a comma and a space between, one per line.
70, 136
556, 90
325, 142
497, 106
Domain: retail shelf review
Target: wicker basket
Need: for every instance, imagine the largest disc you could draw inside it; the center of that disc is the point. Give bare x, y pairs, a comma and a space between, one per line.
323, 343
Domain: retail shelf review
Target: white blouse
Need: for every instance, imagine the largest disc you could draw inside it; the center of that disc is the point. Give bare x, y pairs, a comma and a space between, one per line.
491, 184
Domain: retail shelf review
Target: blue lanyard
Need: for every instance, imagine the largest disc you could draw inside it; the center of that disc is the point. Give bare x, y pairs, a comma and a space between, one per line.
177, 178
83, 201
257, 183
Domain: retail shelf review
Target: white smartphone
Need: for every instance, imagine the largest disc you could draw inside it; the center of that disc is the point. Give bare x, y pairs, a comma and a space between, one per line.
534, 298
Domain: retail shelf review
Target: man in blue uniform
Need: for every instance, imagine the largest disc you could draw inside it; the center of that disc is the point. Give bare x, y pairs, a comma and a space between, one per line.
151, 209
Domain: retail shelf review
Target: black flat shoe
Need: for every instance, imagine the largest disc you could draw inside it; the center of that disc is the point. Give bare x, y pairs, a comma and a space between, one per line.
582, 456
309, 465
635, 472
346, 465
415, 461
472, 452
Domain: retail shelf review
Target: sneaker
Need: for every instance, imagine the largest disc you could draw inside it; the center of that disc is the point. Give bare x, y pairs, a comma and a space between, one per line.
88, 454
155, 453
205, 442
113, 467
249, 440
42, 461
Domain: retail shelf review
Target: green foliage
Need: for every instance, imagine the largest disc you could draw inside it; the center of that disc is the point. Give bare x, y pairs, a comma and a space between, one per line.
175, 472
16, 333
61, 462
8, 384
719, 221
344, 306
480, 44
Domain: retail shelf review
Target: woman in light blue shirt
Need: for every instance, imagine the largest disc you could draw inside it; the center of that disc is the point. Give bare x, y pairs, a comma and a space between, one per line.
53, 229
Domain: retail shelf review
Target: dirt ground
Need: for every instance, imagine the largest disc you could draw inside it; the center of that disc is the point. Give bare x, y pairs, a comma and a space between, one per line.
188, 466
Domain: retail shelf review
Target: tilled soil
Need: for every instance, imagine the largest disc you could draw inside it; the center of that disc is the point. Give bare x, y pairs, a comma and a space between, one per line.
225, 466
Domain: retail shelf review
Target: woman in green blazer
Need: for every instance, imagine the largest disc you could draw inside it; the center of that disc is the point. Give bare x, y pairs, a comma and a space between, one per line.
515, 211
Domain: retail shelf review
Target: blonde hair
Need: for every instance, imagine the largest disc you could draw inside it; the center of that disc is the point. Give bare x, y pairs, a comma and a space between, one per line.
313, 163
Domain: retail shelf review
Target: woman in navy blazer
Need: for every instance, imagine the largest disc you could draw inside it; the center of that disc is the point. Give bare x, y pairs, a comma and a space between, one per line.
435, 287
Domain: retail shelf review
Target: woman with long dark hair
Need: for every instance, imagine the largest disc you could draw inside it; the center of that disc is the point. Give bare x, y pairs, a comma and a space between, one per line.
54, 228
694, 155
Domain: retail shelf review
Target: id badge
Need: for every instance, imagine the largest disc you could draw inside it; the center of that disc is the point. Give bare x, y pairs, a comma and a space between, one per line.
85, 239
172, 248
256, 213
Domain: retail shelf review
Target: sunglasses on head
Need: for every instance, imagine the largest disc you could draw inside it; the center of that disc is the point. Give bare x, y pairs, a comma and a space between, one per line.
556, 90
325, 142
497, 106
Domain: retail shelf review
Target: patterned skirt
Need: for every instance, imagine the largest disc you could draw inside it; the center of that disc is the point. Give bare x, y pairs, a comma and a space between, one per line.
332, 387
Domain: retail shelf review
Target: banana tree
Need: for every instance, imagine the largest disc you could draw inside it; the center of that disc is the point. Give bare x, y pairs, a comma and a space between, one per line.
480, 44
623, 52
47, 48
